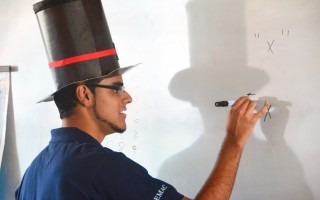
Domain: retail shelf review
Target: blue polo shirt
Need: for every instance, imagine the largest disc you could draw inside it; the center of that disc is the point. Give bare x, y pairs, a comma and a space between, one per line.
74, 166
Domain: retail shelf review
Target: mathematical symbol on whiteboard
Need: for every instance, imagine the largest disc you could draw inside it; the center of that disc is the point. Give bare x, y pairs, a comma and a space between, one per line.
284, 32
257, 35
270, 46
268, 113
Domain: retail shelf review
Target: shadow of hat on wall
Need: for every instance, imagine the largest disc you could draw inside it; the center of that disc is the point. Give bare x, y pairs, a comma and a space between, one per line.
216, 82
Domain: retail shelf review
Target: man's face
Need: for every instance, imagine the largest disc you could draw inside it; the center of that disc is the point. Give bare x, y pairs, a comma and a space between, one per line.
110, 106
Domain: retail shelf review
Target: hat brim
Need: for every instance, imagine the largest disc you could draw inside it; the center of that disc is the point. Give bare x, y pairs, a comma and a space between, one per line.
118, 71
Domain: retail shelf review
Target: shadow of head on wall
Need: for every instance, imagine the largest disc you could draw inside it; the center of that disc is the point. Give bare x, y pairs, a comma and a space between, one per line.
219, 71
218, 56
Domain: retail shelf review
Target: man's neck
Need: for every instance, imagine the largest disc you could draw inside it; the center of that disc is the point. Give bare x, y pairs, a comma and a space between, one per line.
84, 125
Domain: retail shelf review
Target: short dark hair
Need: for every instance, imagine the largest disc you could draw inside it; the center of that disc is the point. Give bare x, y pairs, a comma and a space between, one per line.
66, 99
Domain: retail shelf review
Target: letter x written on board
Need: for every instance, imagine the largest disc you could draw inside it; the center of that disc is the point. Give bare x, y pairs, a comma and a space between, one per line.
270, 46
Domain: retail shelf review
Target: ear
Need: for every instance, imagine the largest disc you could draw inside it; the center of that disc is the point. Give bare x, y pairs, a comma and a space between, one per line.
84, 95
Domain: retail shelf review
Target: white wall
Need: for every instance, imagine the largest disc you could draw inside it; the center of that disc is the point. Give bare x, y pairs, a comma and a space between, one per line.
193, 53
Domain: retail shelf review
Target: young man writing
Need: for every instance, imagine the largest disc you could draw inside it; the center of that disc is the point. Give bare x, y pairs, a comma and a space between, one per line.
92, 102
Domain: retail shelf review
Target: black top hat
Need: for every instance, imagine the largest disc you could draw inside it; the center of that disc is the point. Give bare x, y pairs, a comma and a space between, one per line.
77, 40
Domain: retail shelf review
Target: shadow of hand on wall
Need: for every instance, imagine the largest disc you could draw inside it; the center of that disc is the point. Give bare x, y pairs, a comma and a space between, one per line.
269, 169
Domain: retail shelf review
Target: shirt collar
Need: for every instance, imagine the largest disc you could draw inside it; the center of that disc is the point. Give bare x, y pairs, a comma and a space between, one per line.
72, 134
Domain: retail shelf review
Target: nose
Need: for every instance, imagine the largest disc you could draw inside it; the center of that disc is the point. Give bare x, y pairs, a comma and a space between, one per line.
127, 97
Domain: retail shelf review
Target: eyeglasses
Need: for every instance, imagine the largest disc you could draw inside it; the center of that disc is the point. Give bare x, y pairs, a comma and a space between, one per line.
118, 89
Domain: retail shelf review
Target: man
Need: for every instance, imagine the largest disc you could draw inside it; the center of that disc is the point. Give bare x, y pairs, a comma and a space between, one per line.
92, 102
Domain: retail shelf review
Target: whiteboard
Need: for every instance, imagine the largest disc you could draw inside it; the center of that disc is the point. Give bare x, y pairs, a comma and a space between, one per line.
194, 52
270, 49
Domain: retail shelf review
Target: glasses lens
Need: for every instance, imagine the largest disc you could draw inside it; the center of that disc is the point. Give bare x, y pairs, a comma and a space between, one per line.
120, 90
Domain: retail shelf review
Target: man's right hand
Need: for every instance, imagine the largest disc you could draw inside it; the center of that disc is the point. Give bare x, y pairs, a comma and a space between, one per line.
242, 119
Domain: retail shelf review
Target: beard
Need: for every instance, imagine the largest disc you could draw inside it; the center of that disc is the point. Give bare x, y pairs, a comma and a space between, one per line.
113, 126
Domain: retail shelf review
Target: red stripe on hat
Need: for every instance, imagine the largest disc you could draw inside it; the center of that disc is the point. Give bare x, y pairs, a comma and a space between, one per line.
84, 57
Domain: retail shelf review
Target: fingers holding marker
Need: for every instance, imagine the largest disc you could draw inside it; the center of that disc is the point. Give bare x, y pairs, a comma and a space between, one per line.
245, 104
241, 102
252, 106
229, 103
262, 111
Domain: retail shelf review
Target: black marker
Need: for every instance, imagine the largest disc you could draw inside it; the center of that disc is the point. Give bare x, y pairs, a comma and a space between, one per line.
224, 103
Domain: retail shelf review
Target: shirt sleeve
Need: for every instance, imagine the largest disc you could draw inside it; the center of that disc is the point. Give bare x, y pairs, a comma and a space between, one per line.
120, 178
